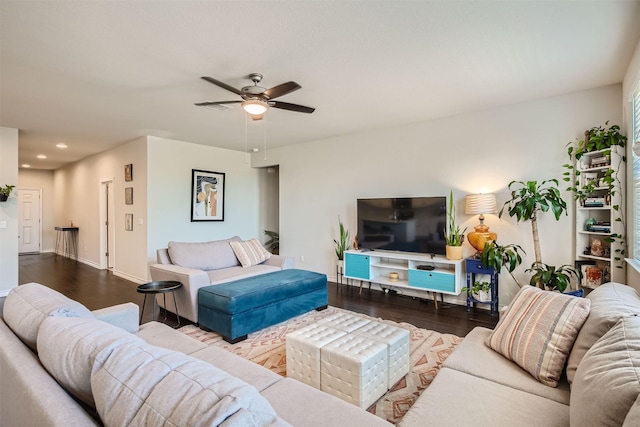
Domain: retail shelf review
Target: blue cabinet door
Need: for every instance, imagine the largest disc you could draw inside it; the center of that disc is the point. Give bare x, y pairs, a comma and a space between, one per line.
432, 280
357, 266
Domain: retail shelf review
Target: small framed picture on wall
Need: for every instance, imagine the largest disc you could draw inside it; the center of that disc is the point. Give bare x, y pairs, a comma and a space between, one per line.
128, 222
128, 196
128, 172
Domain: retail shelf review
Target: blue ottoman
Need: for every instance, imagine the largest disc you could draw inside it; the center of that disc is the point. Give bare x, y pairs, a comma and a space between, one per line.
235, 309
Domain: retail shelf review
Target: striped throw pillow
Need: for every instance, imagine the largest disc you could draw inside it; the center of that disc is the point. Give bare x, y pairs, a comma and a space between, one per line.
250, 252
538, 330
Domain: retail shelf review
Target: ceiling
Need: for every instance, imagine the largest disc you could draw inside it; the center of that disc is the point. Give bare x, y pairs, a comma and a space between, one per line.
96, 74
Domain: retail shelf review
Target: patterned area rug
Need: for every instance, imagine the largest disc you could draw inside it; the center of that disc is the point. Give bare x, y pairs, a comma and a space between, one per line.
267, 348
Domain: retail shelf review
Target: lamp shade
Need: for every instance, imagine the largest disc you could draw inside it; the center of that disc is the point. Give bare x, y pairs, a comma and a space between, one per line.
476, 204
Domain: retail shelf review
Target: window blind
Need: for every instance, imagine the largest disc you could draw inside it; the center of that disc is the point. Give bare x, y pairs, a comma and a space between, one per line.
635, 140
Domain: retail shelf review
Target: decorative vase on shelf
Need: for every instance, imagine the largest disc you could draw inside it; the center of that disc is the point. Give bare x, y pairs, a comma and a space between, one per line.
454, 253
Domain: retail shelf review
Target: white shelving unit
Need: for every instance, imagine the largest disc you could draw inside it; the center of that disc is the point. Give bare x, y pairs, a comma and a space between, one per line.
445, 276
603, 213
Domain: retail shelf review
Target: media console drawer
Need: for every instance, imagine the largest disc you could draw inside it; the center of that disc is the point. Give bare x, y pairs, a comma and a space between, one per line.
432, 280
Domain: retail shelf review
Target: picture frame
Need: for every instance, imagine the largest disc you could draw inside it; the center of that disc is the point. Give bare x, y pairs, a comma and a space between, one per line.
128, 196
581, 267
207, 195
128, 222
128, 172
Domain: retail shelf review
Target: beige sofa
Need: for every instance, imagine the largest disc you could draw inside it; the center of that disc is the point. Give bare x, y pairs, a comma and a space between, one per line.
200, 264
63, 330
477, 386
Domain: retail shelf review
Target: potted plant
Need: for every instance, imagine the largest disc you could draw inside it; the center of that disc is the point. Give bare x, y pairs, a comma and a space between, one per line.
342, 244
5, 192
497, 256
551, 277
480, 291
528, 200
273, 244
454, 237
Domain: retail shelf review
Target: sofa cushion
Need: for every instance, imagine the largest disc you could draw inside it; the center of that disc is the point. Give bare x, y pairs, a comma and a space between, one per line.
204, 255
473, 357
67, 346
609, 303
27, 306
147, 385
538, 330
607, 381
250, 252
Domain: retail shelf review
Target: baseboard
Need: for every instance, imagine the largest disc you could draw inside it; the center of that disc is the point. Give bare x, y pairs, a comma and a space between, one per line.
130, 278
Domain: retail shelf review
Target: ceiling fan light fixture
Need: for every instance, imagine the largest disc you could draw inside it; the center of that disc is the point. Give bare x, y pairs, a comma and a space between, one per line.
255, 107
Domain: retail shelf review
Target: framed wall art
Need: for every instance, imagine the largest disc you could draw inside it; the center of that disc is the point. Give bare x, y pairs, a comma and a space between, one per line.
207, 195
128, 222
128, 196
128, 172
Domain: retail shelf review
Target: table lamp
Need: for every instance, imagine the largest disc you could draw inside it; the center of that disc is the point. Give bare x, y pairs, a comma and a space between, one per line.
480, 204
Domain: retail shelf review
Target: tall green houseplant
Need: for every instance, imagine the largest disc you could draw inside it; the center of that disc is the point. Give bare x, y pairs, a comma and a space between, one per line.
342, 244
528, 200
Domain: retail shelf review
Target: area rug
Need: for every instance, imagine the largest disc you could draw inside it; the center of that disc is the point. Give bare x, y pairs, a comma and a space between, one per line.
267, 347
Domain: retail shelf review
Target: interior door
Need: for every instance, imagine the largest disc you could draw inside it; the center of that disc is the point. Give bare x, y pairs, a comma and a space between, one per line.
29, 213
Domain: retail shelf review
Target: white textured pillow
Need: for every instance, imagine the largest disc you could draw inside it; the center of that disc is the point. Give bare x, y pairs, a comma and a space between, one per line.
67, 347
26, 307
538, 330
250, 252
147, 385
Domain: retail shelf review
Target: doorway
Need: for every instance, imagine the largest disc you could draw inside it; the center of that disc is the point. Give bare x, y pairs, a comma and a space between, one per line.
29, 221
107, 224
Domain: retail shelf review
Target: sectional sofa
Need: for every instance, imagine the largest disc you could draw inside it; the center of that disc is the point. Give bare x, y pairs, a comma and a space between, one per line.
62, 365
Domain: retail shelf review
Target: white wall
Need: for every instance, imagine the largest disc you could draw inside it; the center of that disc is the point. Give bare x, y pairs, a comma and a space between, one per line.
470, 153
77, 192
269, 182
169, 187
631, 79
9, 210
41, 180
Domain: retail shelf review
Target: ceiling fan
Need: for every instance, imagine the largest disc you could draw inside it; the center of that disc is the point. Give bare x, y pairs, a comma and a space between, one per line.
256, 99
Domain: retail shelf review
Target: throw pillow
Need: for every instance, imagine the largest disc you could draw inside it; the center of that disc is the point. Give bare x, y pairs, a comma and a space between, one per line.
67, 347
145, 385
609, 302
27, 306
538, 330
250, 252
607, 382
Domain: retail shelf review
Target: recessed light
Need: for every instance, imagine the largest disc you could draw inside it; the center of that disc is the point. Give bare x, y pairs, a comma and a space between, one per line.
61, 145
41, 156
26, 165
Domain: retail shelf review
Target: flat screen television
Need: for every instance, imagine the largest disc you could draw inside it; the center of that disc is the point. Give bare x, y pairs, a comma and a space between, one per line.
409, 224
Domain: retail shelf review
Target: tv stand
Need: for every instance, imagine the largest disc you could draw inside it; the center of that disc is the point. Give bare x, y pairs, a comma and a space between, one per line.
446, 277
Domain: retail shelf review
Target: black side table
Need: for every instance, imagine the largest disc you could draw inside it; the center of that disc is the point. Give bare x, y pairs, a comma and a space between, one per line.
161, 287
473, 267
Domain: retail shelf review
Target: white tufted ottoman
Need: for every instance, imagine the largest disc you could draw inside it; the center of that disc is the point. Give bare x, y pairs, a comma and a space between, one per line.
354, 368
345, 322
303, 352
397, 342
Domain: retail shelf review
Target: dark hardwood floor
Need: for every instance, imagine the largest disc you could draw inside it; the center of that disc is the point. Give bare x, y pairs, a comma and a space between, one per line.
101, 288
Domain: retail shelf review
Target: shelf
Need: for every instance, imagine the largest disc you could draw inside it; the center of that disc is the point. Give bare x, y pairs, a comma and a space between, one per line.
384, 281
594, 233
596, 169
595, 208
599, 258
390, 265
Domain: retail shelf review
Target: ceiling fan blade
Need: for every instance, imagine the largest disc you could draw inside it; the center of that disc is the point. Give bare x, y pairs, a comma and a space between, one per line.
282, 89
222, 85
291, 107
205, 103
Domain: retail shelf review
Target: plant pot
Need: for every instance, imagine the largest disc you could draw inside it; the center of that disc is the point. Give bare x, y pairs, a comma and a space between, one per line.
482, 296
3, 197
454, 253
